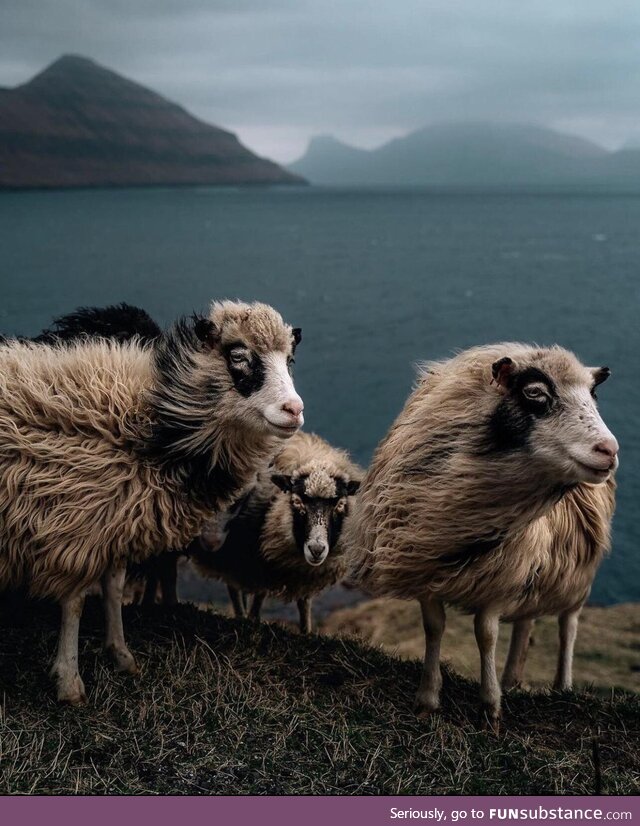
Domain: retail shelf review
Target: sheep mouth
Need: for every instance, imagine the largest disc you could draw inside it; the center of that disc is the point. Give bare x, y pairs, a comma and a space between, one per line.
315, 563
285, 430
598, 472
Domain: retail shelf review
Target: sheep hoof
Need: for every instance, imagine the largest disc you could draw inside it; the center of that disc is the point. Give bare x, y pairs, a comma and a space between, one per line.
75, 699
123, 660
490, 718
424, 710
71, 690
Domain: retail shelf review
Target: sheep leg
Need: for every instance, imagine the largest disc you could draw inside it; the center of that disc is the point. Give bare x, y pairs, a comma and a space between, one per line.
568, 627
65, 667
256, 606
486, 626
433, 620
236, 601
244, 597
150, 585
168, 565
113, 588
304, 609
513, 673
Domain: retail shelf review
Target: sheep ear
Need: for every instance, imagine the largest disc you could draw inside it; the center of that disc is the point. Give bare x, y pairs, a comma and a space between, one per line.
353, 487
285, 483
600, 374
297, 335
206, 331
502, 370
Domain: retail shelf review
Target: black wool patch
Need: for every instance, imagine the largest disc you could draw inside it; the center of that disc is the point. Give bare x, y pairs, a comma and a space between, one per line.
118, 322
174, 361
472, 551
509, 427
247, 379
512, 421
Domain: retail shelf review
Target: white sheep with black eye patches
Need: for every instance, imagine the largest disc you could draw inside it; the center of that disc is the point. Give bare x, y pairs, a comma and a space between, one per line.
149, 442
558, 418
486, 446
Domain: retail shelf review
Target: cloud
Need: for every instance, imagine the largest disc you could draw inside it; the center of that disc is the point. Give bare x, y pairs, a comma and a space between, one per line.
278, 71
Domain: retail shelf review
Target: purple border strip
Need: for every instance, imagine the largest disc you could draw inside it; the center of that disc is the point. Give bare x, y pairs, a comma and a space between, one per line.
317, 811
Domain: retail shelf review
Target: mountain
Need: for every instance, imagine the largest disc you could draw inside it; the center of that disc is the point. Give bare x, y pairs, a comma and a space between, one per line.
329, 161
470, 154
79, 124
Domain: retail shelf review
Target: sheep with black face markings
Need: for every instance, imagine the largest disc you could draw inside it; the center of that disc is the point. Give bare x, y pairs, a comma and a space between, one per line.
286, 541
112, 452
487, 443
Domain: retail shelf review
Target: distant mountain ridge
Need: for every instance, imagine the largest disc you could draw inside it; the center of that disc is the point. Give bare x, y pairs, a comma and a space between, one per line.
470, 154
80, 124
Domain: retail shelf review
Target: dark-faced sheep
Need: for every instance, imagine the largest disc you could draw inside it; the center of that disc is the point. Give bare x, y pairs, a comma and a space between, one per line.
112, 452
286, 539
487, 443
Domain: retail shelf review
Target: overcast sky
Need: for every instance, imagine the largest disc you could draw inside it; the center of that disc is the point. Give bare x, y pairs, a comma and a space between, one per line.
279, 71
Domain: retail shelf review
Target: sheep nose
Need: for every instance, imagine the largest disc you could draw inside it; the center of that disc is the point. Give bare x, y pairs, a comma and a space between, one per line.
317, 549
607, 446
293, 407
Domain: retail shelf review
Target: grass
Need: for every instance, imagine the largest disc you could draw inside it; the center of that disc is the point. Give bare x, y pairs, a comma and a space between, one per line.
226, 706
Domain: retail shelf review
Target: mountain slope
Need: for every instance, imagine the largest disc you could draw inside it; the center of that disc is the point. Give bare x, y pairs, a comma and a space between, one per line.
463, 154
235, 707
79, 124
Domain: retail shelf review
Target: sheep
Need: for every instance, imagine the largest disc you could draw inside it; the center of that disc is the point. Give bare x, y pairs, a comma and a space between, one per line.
556, 559
122, 322
486, 444
113, 451
286, 540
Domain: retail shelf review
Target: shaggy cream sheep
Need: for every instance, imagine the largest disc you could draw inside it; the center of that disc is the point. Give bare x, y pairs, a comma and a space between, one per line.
112, 452
487, 443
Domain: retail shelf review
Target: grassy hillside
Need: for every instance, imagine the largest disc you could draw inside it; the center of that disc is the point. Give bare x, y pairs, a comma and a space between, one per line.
227, 706
607, 650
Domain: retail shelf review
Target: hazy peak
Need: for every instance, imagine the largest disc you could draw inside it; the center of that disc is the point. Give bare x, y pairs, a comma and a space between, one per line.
463, 153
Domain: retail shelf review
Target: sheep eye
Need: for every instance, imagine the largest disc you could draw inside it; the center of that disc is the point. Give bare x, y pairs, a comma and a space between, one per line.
238, 358
535, 393
297, 503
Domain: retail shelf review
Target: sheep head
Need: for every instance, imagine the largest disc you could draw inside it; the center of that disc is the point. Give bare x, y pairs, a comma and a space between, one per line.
548, 407
319, 502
